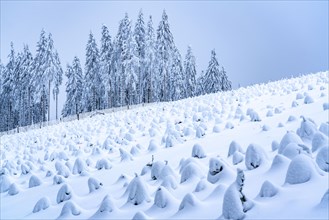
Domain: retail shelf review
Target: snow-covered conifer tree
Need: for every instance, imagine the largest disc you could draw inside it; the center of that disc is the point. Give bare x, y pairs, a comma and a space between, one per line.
226, 84
74, 84
213, 77
190, 73
106, 52
139, 35
176, 85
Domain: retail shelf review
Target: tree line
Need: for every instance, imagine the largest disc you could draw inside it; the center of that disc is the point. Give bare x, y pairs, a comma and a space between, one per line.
139, 65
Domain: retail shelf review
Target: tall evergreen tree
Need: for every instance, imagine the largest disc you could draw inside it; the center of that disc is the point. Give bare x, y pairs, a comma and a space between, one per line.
164, 49
200, 85
74, 85
92, 86
190, 73
150, 79
139, 34
106, 52
226, 84
213, 77
176, 85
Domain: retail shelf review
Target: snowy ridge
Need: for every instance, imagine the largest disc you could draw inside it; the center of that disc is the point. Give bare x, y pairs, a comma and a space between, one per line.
256, 152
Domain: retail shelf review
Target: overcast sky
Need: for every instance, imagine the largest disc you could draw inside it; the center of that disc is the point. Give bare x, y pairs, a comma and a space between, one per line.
256, 41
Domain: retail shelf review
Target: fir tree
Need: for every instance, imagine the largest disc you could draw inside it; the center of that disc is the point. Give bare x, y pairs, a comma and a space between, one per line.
213, 77
226, 84
106, 52
92, 86
176, 85
190, 73
139, 34
73, 104
150, 82
164, 49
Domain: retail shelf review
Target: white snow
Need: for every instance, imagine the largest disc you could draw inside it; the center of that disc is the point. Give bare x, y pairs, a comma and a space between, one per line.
89, 169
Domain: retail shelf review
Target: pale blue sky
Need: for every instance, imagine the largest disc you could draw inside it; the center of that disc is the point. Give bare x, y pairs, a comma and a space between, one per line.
256, 41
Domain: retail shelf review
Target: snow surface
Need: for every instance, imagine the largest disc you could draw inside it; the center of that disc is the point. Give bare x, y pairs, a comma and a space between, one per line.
178, 159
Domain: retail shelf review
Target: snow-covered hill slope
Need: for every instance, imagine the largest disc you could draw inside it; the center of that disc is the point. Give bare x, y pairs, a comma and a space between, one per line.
257, 152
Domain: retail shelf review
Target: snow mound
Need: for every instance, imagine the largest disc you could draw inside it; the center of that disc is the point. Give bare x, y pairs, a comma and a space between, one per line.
42, 204
190, 171
289, 137
301, 169
234, 146
138, 191
218, 170
255, 156
163, 198
189, 201
34, 181
307, 129
198, 152
13, 189
322, 158
64, 193
319, 140
69, 210
94, 184
268, 190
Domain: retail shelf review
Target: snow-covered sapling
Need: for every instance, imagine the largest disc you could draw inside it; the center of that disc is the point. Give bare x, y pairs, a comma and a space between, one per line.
275, 145
299, 96
325, 106
79, 166
292, 118
197, 151
322, 158
215, 167
156, 169
103, 164
62, 169
319, 140
300, 170
42, 204
125, 156
140, 216
255, 156
308, 99
163, 197
169, 182
69, 209
94, 184
34, 181
200, 132
13, 189
189, 200
191, 170
58, 179
137, 191
152, 146
107, 205
289, 137
235, 203
307, 128
237, 158
268, 190
234, 146
64, 193
324, 128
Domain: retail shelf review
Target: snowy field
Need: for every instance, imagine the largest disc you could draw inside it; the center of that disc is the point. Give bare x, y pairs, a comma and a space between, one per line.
256, 153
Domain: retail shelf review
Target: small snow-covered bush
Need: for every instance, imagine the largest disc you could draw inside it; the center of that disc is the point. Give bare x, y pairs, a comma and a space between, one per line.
200, 132
307, 128
162, 197
189, 200
229, 125
291, 118
134, 150
103, 164
254, 116
62, 169
292, 150
255, 156
319, 140
4, 183
277, 111
322, 158
94, 184
169, 182
294, 104
79, 166
308, 99
325, 106
58, 179
216, 129
268, 190
269, 113
197, 151
299, 96
235, 203
25, 169
13, 189
107, 205
137, 191
152, 146
237, 158
234, 146
69, 209
64, 193
42, 204
300, 170
189, 171
266, 128
34, 181
156, 169
215, 167
125, 156
289, 137
140, 216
